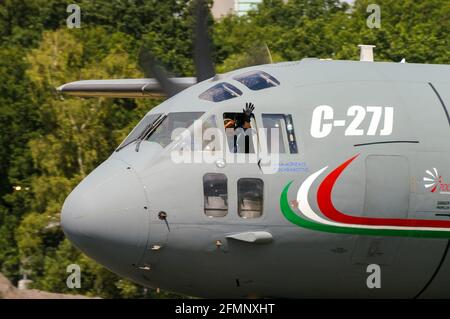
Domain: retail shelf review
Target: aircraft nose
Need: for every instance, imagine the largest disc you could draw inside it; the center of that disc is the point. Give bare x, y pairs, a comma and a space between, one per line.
105, 216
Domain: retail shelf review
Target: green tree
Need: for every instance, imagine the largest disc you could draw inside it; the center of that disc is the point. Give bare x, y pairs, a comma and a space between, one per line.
19, 121
77, 136
416, 30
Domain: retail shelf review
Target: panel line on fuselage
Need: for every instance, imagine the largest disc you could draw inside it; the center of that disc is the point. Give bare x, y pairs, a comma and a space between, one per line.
441, 100
387, 142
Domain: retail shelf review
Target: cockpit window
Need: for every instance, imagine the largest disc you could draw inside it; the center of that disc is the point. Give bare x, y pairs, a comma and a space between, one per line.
280, 133
240, 135
146, 122
221, 92
162, 134
257, 80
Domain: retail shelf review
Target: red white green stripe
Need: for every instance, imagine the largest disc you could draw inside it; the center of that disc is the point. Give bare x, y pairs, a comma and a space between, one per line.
342, 223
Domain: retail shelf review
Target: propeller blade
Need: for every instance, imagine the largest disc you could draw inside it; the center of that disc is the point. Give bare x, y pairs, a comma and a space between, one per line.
254, 54
258, 54
151, 68
269, 54
204, 64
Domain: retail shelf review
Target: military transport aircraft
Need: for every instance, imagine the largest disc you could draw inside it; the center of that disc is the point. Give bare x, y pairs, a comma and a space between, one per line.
362, 177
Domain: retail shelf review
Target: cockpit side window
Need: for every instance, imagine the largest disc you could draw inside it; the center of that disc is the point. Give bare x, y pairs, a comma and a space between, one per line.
240, 135
276, 139
162, 134
280, 125
221, 92
257, 80
137, 132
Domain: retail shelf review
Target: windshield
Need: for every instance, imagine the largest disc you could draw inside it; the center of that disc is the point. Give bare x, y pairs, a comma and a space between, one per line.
162, 134
146, 122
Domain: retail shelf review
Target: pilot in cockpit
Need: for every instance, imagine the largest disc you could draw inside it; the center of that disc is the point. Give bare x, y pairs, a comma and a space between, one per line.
236, 126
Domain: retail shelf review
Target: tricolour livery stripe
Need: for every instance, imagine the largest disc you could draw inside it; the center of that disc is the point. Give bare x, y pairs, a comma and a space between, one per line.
326, 206
305, 223
311, 220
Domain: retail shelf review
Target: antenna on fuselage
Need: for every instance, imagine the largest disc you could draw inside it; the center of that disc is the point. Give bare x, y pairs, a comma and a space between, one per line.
366, 52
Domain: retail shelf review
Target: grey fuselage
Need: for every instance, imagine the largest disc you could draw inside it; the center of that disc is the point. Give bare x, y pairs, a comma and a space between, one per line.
114, 214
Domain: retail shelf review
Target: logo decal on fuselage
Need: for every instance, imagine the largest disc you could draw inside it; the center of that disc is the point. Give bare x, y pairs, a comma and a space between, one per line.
381, 123
435, 182
334, 221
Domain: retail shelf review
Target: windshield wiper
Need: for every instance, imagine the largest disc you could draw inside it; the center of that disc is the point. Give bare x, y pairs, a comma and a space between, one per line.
149, 130
123, 145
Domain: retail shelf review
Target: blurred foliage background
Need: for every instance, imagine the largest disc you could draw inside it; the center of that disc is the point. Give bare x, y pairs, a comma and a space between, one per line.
49, 143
